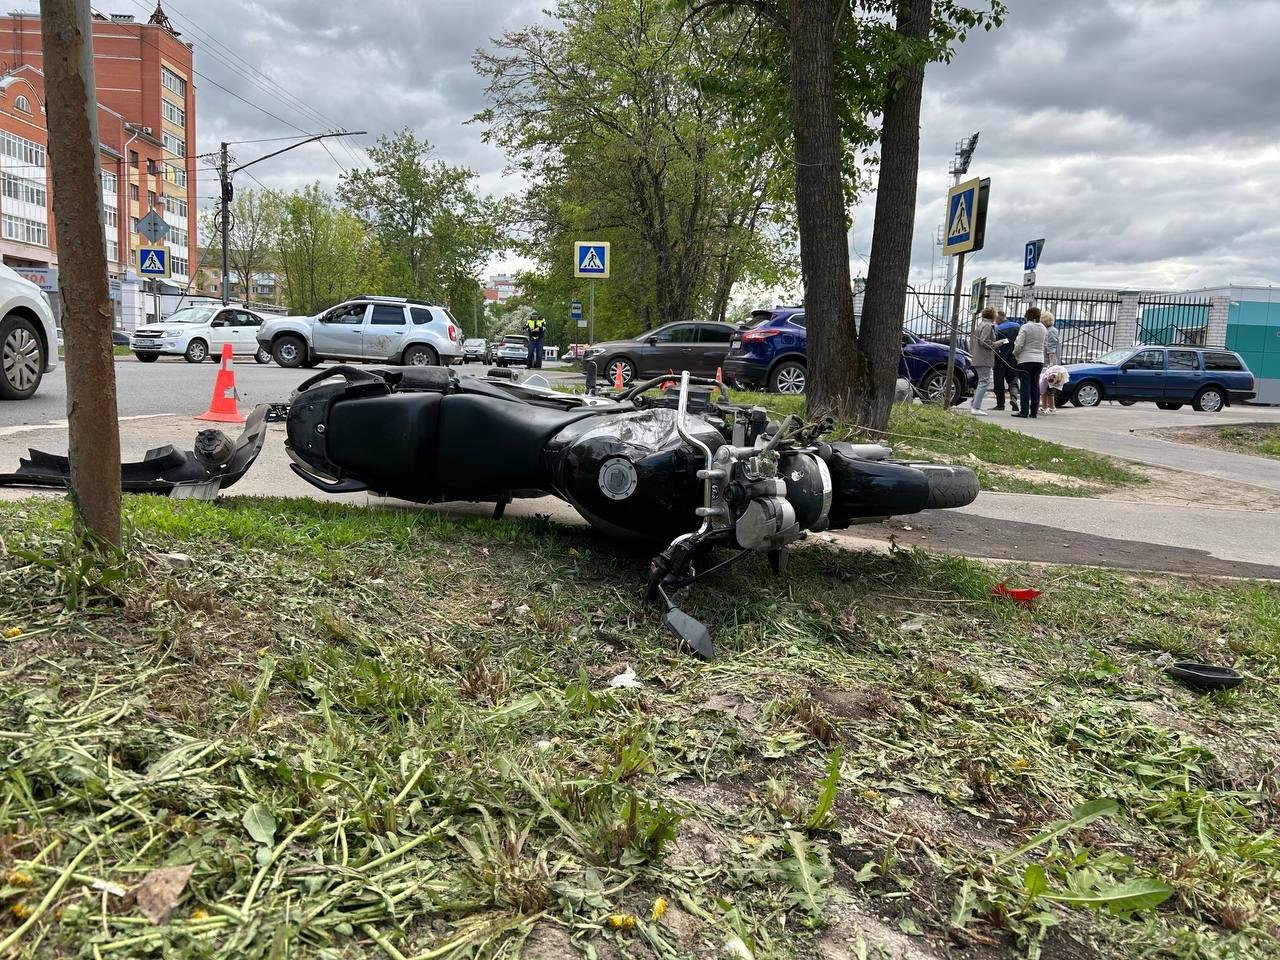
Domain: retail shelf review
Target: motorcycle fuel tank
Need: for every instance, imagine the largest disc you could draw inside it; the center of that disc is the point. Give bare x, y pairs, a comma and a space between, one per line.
630, 474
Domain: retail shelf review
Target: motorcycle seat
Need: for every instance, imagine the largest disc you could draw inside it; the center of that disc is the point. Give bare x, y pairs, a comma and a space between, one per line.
490, 447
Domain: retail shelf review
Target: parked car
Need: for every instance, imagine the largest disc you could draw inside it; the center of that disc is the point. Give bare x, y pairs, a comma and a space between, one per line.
28, 336
477, 349
699, 348
769, 352
119, 338
198, 333
379, 329
1207, 378
513, 350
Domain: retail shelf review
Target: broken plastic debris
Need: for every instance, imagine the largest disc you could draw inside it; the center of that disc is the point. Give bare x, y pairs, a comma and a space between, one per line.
627, 678
1020, 595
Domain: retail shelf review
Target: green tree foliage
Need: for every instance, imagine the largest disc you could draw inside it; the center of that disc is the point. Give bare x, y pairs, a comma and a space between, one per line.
606, 115
435, 232
323, 250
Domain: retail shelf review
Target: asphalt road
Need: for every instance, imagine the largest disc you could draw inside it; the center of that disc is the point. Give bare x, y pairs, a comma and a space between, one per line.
170, 386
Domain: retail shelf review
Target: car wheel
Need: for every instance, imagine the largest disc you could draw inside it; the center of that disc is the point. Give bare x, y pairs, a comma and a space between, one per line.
1209, 400
420, 356
147, 357
1168, 405
263, 355
289, 351
21, 358
197, 351
1126, 403
1087, 394
931, 388
620, 363
789, 377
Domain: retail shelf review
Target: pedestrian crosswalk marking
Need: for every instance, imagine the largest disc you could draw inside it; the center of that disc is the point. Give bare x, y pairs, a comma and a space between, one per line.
960, 223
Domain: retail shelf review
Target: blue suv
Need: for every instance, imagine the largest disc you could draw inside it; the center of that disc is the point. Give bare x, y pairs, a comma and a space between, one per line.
769, 352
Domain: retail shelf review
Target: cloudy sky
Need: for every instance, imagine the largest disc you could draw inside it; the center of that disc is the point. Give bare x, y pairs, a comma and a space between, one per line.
1141, 139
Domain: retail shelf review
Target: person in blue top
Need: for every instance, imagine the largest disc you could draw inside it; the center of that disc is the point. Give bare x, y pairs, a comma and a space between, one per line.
1006, 372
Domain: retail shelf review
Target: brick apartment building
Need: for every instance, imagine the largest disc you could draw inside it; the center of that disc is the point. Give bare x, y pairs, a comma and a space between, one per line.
146, 132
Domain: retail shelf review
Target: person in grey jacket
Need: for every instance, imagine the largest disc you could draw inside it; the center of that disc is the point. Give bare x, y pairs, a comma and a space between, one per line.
1028, 351
982, 354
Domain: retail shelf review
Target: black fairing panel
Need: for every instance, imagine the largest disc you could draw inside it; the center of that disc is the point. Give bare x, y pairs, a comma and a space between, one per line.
873, 488
389, 442
490, 447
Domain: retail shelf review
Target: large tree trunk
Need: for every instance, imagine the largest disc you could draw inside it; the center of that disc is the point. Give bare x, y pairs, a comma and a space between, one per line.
820, 209
92, 428
884, 303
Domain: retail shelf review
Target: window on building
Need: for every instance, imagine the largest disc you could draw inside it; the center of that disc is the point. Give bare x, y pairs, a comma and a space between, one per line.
174, 145
173, 113
28, 152
151, 199
27, 191
23, 230
179, 265
110, 216
175, 206
133, 159
176, 175
133, 191
172, 82
23, 104
110, 185
177, 237
113, 250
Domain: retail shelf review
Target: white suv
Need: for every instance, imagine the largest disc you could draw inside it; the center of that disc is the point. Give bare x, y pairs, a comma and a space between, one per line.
380, 329
198, 333
28, 336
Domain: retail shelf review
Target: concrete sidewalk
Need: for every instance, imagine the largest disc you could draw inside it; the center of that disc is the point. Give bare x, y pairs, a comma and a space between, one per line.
1121, 432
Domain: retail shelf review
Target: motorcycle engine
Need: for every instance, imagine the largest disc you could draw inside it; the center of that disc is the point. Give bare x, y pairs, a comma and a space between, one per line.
769, 499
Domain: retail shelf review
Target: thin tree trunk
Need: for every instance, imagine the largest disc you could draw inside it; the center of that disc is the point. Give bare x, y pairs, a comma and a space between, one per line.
884, 304
820, 209
93, 429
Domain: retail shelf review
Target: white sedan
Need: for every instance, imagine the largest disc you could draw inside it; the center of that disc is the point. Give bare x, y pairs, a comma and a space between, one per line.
28, 336
198, 333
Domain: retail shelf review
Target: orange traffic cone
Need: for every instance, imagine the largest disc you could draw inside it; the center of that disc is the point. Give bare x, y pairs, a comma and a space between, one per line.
719, 376
618, 382
222, 408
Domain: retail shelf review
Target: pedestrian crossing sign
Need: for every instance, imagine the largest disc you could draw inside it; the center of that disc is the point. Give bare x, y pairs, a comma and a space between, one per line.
966, 217
591, 259
153, 261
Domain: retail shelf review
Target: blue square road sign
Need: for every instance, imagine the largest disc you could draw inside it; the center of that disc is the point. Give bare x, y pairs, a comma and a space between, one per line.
591, 259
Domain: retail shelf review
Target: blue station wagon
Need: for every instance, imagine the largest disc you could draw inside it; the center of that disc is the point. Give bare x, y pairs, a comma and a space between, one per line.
1208, 379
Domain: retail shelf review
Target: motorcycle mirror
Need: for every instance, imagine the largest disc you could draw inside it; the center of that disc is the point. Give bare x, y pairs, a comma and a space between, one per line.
652, 341
692, 633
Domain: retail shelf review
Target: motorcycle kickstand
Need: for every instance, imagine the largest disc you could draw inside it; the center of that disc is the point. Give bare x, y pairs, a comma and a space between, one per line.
500, 506
779, 560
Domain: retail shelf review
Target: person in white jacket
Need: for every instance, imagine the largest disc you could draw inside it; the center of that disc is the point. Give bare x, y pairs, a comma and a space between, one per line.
1028, 351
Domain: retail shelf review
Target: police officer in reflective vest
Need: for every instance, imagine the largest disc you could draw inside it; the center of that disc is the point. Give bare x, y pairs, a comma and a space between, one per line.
536, 329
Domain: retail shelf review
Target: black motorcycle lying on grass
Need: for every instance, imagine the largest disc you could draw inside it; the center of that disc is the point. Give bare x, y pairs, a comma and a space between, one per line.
680, 468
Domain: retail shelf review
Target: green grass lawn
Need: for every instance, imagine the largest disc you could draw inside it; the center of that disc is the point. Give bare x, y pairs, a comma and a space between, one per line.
997, 454
374, 733
1260, 440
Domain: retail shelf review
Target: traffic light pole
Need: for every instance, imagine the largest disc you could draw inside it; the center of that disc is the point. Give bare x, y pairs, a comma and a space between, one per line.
227, 193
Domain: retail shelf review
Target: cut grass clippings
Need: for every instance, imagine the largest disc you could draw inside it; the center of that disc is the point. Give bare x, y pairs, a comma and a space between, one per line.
1006, 461
377, 733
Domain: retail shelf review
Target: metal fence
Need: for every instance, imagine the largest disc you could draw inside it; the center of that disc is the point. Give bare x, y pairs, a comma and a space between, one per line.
1086, 320
1176, 319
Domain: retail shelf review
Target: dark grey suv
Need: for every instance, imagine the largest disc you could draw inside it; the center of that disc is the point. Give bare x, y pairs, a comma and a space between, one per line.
699, 347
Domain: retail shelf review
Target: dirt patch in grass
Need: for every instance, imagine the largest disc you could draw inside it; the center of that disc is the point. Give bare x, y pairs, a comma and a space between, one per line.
1254, 439
1177, 487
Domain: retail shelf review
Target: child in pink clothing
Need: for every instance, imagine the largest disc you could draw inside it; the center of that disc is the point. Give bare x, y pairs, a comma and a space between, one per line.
1053, 378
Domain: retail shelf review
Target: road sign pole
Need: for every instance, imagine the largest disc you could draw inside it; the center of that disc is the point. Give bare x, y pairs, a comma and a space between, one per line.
591, 321
955, 329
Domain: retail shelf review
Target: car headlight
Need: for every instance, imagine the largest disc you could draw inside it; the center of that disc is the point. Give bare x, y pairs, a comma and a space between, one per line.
172, 333
592, 353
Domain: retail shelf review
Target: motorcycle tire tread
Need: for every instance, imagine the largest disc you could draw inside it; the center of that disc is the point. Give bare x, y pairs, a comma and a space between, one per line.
949, 486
